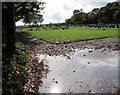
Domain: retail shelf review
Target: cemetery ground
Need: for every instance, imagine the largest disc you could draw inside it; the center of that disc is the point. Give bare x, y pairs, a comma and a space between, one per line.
60, 63
72, 34
70, 57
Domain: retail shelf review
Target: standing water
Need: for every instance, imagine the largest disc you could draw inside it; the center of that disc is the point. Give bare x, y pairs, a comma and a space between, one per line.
81, 71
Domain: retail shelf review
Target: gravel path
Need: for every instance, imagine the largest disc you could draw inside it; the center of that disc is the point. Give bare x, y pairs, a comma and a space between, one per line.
63, 48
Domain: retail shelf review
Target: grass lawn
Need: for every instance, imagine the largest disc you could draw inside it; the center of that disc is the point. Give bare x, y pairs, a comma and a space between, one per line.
73, 34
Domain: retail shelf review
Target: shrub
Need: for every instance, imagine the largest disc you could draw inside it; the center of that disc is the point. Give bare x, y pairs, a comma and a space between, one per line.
14, 74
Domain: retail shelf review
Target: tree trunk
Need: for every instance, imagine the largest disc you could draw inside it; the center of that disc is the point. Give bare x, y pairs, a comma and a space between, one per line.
10, 38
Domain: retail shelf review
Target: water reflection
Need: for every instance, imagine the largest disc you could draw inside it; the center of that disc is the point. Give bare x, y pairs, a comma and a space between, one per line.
55, 90
85, 71
36, 70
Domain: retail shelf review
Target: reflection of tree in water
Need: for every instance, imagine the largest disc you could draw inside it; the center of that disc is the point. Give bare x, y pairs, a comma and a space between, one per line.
36, 71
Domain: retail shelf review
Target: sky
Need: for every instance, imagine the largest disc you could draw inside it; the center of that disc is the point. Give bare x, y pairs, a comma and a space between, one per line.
58, 10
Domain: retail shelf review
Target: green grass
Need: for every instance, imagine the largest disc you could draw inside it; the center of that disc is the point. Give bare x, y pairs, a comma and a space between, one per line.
73, 34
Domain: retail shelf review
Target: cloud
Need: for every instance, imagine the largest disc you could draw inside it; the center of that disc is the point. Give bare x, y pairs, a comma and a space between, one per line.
59, 10
66, 7
56, 16
98, 4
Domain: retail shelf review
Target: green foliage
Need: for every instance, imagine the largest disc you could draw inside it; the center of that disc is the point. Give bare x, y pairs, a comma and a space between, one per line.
103, 20
38, 19
25, 8
15, 11
78, 17
28, 18
116, 16
107, 14
72, 34
76, 12
22, 9
14, 75
33, 18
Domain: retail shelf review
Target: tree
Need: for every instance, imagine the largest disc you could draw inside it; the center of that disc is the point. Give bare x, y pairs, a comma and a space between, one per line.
68, 21
116, 16
38, 18
81, 10
103, 20
109, 10
78, 17
93, 16
107, 14
8, 22
23, 9
76, 12
14, 11
28, 19
33, 18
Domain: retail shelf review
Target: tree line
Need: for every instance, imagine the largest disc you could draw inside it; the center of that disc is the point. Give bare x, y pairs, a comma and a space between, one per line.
107, 14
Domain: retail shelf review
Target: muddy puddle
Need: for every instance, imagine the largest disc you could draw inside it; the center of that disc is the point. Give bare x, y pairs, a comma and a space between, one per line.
81, 71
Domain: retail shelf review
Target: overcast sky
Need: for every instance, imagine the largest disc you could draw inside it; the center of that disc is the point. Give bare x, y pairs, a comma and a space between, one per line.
59, 10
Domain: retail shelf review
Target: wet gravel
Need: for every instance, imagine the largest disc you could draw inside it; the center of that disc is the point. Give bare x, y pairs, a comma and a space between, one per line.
44, 47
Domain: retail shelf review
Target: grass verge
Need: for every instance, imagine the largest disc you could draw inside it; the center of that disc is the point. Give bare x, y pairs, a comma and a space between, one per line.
73, 34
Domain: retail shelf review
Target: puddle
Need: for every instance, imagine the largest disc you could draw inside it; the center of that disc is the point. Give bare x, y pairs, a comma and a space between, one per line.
82, 71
